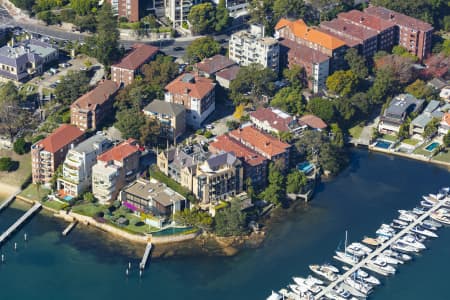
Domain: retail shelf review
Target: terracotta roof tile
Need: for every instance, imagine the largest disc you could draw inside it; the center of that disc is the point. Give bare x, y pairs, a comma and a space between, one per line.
139, 54
302, 31
265, 144
446, 119
398, 18
347, 30
97, 96
214, 64
120, 152
61, 137
228, 73
227, 144
274, 117
304, 53
196, 86
313, 122
366, 20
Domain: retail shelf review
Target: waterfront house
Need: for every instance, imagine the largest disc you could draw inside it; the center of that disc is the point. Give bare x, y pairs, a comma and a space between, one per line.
152, 200
126, 70
444, 125
114, 169
77, 167
445, 93
421, 121
171, 116
312, 122
397, 111
92, 108
49, 153
196, 93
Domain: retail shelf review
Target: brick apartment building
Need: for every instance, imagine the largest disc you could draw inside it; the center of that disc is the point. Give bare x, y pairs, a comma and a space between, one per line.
49, 153
126, 8
88, 111
126, 70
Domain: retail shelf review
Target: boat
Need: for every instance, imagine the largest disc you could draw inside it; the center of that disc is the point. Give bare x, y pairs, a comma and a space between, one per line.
428, 226
397, 255
402, 247
300, 290
364, 288
422, 231
397, 226
346, 258
314, 280
419, 210
330, 267
385, 232
355, 250
324, 272
405, 218
446, 203
309, 284
274, 296
410, 240
364, 248
364, 276
433, 223
426, 204
440, 218
400, 222
408, 213
352, 290
391, 260
371, 241
381, 266
430, 198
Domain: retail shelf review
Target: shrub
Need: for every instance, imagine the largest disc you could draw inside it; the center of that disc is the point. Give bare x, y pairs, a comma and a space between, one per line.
37, 138
6, 164
100, 214
208, 134
21, 146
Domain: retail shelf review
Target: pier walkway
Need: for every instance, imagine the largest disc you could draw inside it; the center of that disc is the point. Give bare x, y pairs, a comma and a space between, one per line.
19, 222
69, 228
148, 249
8, 201
377, 251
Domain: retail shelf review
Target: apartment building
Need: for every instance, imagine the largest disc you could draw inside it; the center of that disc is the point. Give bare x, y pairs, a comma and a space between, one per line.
297, 31
114, 169
210, 66
20, 60
177, 11
385, 29
91, 109
264, 144
171, 117
255, 166
126, 8
129, 66
77, 167
195, 93
251, 46
49, 153
411, 33
316, 65
236, 8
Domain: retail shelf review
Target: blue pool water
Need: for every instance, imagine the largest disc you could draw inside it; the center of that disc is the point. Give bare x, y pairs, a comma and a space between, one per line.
171, 231
432, 146
383, 144
305, 167
68, 198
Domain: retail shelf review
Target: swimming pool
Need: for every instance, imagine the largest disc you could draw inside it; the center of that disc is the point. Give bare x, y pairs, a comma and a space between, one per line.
171, 231
383, 144
432, 146
305, 167
68, 198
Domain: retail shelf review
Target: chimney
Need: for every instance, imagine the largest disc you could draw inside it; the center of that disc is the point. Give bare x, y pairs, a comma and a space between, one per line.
391, 16
361, 19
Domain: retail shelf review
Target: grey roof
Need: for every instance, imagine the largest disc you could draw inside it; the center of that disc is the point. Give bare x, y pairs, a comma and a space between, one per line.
93, 143
188, 77
187, 156
218, 160
402, 104
432, 106
421, 120
437, 83
27, 50
153, 190
165, 108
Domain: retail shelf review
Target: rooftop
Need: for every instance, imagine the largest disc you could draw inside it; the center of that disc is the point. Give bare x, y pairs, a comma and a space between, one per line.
228, 73
312, 121
262, 142
366, 20
422, 120
24, 51
61, 137
304, 53
301, 30
195, 86
139, 54
120, 152
437, 83
349, 30
403, 103
398, 18
214, 64
165, 108
227, 144
276, 118
98, 96
446, 119
153, 190
92, 144
187, 156
218, 161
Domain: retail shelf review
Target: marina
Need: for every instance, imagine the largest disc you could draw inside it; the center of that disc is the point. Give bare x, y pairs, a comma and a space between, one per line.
383, 260
19, 222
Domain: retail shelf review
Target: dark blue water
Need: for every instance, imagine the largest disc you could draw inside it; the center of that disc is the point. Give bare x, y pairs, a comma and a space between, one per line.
85, 265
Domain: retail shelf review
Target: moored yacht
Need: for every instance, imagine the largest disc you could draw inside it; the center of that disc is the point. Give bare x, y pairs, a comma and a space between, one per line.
364, 288
402, 247
400, 222
391, 260
397, 255
422, 231
324, 272
433, 223
346, 258
410, 240
380, 266
364, 276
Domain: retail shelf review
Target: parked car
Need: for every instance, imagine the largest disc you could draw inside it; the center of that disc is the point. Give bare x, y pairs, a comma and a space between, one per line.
178, 48
209, 126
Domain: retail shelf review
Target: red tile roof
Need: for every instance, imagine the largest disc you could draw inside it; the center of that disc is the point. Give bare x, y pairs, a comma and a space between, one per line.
313, 122
348, 31
97, 96
214, 64
265, 144
398, 18
274, 117
229, 74
446, 119
365, 20
304, 53
61, 137
188, 83
227, 144
139, 55
120, 152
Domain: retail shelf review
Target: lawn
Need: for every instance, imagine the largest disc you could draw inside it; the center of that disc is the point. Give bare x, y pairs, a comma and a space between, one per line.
355, 132
89, 209
34, 193
443, 156
19, 176
28, 89
411, 142
55, 204
388, 137
422, 151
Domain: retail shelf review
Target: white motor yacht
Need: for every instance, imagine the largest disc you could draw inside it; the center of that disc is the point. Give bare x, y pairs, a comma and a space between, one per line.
381, 265
412, 241
400, 222
364, 288
346, 258
364, 276
391, 260
324, 272
385, 232
433, 223
362, 247
402, 247
440, 218
397, 255
425, 232
274, 296
355, 250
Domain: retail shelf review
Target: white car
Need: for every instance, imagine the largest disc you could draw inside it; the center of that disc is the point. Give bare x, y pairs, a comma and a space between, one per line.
209, 126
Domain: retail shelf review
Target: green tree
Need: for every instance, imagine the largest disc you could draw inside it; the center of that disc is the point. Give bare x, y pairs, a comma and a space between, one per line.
419, 89
202, 48
160, 71
13, 119
446, 140
295, 9
86, 23
222, 16
342, 83
251, 83
345, 110
193, 217
72, 86
6, 164
431, 128
289, 99
230, 221
446, 48
129, 122
88, 197
323, 108
337, 136
402, 51
296, 181
20, 146
295, 75
361, 102
403, 131
48, 17
384, 85
81, 7
274, 192
201, 17
104, 45
357, 63
150, 132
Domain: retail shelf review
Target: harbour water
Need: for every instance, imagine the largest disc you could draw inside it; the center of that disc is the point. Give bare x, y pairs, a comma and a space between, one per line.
87, 265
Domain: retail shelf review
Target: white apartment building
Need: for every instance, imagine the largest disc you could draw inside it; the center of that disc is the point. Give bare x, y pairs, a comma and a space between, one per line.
77, 167
250, 46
